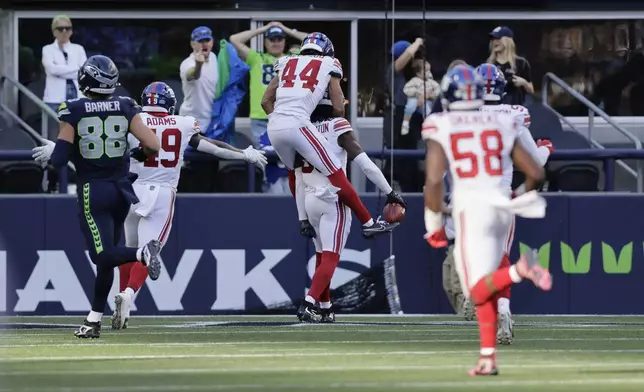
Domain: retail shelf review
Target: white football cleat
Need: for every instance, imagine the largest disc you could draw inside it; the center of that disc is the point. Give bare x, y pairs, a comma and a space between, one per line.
505, 330
121, 314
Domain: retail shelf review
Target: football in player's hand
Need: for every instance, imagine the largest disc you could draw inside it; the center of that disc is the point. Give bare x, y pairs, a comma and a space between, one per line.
393, 212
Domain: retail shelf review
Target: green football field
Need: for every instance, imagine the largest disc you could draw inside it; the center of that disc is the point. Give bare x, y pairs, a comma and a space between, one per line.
592, 353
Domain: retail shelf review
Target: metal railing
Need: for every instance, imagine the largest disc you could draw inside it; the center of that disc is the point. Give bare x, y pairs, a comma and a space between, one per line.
607, 156
592, 111
46, 112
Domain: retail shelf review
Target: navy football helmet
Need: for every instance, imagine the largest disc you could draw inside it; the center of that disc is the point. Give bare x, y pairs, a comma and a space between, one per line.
493, 81
462, 88
98, 75
158, 95
320, 43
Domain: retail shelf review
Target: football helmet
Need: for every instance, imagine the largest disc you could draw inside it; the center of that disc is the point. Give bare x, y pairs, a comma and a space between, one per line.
462, 88
318, 42
98, 75
493, 81
158, 97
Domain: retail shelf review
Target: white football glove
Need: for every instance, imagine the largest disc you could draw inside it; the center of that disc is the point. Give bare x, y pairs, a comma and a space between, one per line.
255, 156
41, 154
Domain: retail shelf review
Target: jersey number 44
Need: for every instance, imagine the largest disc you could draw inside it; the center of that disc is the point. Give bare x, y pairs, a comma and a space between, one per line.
308, 75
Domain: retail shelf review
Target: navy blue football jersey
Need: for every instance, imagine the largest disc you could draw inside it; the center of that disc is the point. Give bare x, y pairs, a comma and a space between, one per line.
100, 141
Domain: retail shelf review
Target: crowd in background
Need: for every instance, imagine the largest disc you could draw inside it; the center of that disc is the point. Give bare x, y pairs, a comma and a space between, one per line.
403, 92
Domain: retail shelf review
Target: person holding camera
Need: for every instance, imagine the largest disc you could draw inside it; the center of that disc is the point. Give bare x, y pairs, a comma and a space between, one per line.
516, 69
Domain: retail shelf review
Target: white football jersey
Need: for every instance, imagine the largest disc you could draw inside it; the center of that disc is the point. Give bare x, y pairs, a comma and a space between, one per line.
331, 130
303, 80
478, 147
521, 115
174, 133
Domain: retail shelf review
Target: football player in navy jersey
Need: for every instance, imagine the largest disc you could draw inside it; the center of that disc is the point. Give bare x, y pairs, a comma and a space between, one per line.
93, 135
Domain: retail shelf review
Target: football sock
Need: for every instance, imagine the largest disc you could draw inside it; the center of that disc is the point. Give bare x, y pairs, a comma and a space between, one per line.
504, 305
291, 181
325, 305
491, 284
102, 286
486, 318
139, 254
323, 274
326, 293
129, 291
349, 196
505, 262
124, 275
310, 299
94, 317
138, 275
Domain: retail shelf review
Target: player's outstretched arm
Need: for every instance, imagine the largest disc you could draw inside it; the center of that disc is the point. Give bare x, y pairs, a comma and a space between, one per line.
146, 136
337, 96
540, 154
268, 100
528, 165
349, 143
435, 166
226, 151
64, 145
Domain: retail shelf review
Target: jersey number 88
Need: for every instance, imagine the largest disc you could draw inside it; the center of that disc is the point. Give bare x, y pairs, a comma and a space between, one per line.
91, 131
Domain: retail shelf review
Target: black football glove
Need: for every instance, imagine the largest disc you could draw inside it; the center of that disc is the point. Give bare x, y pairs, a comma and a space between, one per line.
139, 154
395, 198
306, 229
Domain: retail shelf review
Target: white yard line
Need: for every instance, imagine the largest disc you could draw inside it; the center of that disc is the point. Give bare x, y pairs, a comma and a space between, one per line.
491, 383
307, 368
94, 345
76, 358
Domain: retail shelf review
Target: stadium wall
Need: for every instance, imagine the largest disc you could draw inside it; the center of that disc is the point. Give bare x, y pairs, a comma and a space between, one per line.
244, 254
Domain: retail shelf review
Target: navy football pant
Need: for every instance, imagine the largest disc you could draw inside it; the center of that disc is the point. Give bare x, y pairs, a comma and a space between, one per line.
102, 212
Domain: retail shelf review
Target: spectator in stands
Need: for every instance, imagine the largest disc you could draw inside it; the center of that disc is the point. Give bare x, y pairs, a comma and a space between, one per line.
62, 60
405, 171
199, 77
516, 69
261, 66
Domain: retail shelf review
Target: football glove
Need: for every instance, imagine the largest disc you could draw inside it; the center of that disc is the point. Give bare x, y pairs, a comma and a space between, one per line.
395, 198
437, 239
41, 154
255, 156
546, 143
306, 229
139, 154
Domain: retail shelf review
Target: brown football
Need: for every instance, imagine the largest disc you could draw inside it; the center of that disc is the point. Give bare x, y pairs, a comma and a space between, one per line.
393, 213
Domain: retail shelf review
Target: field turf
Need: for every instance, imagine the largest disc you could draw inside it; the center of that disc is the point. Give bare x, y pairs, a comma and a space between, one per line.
591, 353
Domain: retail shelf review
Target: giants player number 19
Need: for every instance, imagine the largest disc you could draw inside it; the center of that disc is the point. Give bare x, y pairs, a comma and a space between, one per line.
171, 144
489, 141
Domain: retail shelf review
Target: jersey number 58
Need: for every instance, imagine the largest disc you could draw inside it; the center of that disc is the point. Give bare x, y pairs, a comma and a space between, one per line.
491, 143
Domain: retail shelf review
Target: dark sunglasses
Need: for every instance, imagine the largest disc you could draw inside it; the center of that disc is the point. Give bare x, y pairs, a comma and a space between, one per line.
64, 28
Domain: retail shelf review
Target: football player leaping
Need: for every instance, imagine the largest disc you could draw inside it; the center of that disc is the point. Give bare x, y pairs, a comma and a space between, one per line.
479, 146
494, 84
290, 99
158, 177
322, 216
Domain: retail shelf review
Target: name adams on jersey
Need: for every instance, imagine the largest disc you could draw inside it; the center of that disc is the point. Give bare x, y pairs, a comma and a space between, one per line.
100, 139
174, 134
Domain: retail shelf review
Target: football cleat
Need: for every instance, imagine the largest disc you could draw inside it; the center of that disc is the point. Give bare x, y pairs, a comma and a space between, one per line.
468, 310
505, 331
378, 227
88, 330
122, 304
152, 259
307, 313
486, 366
328, 316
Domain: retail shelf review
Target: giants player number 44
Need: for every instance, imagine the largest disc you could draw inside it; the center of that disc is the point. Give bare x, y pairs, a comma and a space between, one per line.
479, 147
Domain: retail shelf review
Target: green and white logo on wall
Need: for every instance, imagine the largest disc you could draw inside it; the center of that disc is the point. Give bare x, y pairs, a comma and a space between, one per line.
614, 263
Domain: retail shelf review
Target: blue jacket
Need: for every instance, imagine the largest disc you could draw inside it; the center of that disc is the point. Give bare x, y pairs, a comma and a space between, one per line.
231, 89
